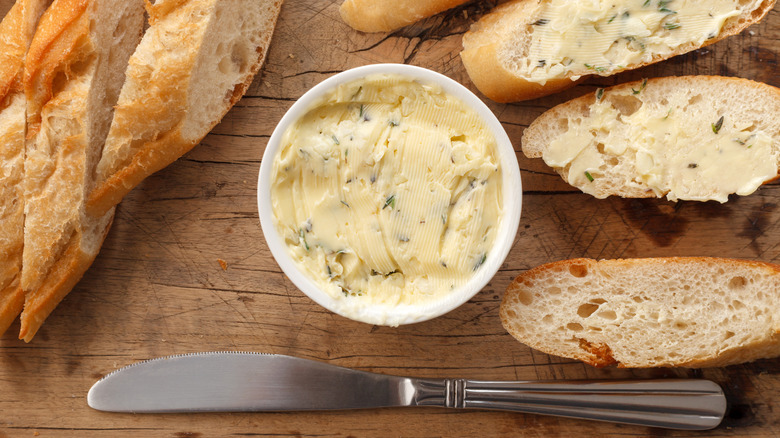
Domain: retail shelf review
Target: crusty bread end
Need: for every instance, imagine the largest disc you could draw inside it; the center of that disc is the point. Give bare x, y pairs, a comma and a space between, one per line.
384, 16
638, 313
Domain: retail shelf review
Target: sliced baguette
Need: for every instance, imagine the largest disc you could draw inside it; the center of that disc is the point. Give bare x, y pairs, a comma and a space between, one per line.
16, 33
194, 63
498, 50
73, 75
384, 16
637, 313
661, 138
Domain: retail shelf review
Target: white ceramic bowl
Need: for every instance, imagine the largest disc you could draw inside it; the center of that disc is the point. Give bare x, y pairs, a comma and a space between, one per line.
401, 314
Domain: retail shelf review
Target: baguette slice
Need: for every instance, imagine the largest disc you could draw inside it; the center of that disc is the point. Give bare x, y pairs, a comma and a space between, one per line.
194, 63
16, 33
526, 49
692, 138
73, 75
638, 313
384, 16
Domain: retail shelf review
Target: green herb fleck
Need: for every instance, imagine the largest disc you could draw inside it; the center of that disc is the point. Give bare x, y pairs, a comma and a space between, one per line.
717, 125
612, 19
481, 261
354, 96
646, 4
641, 87
444, 218
540, 22
393, 123
330, 274
389, 202
671, 26
303, 238
362, 111
345, 203
598, 69
589, 176
336, 140
742, 142
599, 93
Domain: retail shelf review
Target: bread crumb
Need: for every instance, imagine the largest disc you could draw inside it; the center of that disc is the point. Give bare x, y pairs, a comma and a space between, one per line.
223, 264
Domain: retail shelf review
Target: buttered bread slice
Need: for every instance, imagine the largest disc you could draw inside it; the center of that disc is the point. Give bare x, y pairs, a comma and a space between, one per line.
688, 138
530, 48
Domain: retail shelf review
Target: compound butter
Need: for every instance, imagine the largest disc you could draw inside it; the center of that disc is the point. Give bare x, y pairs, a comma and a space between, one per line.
387, 191
575, 38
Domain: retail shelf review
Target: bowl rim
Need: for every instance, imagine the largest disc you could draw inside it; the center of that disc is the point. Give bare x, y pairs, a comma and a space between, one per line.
511, 198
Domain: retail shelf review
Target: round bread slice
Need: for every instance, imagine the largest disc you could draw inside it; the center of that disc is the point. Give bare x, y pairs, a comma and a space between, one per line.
503, 51
689, 137
655, 312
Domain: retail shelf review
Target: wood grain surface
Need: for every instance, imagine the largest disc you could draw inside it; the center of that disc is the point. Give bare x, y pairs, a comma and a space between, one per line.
158, 286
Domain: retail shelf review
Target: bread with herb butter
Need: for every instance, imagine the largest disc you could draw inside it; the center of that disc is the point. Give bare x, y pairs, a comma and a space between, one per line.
16, 33
658, 312
689, 138
73, 73
526, 49
193, 64
384, 16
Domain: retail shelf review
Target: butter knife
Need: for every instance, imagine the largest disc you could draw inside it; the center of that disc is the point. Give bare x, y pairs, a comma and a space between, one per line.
240, 381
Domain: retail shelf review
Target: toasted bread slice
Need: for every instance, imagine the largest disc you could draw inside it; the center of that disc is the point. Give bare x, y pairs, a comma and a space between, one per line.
526, 49
692, 138
16, 33
195, 61
73, 74
384, 16
638, 313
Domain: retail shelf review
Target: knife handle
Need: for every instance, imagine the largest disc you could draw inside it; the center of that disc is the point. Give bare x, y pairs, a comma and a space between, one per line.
689, 404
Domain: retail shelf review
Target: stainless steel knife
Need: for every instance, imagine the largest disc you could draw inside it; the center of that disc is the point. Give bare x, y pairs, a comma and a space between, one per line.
238, 381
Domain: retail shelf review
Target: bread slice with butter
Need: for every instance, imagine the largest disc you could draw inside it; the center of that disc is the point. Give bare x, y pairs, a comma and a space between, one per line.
384, 16
688, 138
526, 49
73, 74
638, 313
16, 33
193, 64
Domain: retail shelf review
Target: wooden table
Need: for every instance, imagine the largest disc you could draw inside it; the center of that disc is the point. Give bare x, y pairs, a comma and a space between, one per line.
158, 287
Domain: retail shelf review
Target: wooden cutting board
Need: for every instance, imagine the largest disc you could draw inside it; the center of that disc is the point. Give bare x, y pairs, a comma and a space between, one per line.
186, 269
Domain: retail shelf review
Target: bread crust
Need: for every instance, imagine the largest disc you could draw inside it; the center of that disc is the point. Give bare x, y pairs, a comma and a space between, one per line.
490, 73
600, 354
164, 147
384, 16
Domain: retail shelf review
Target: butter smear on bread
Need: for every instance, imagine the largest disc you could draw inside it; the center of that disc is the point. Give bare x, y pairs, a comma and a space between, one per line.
387, 191
604, 36
685, 138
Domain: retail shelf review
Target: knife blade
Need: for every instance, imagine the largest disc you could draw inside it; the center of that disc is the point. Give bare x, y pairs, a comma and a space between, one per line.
243, 381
